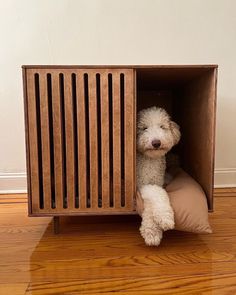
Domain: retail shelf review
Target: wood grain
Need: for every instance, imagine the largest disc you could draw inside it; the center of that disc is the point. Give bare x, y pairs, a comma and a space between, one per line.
82, 151
225, 192
116, 125
105, 153
130, 145
33, 142
69, 133
26, 120
57, 139
198, 147
93, 140
46, 160
152, 285
105, 254
202, 67
16, 289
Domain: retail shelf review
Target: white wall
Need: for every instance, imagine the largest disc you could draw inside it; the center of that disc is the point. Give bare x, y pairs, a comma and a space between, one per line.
114, 32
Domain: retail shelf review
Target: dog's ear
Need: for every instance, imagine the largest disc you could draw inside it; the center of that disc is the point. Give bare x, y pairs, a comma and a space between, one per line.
175, 131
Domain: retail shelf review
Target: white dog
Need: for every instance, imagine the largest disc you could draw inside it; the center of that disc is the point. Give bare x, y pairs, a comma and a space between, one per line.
156, 135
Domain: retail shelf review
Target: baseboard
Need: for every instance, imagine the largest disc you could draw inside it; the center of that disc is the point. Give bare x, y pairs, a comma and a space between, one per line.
225, 177
13, 183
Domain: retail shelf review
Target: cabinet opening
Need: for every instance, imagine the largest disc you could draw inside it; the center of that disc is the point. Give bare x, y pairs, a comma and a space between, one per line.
188, 95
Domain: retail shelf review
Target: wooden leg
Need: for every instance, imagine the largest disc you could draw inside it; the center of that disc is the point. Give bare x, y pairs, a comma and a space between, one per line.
56, 224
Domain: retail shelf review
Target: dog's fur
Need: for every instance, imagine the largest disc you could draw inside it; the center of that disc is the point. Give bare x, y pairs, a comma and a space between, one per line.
154, 124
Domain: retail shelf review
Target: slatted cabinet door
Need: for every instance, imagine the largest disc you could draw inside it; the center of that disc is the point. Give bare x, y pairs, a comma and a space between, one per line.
80, 136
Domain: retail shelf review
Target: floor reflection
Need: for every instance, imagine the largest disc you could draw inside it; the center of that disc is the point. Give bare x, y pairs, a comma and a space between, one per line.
97, 252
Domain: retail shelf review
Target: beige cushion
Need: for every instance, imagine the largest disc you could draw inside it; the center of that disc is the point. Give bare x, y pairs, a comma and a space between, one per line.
188, 202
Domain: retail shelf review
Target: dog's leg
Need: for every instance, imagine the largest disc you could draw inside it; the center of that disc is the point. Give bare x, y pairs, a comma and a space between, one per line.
149, 230
157, 199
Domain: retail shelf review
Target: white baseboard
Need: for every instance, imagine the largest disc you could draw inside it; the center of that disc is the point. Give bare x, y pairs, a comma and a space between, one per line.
15, 183
225, 177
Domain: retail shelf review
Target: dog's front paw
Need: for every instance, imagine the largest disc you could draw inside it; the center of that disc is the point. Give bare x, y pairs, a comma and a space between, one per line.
152, 237
166, 220
167, 223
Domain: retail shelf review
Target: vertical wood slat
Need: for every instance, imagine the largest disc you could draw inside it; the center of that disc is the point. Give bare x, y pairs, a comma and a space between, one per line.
82, 153
134, 99
116, 141
33, 141
129, 138
69, 132
57, 138
44, 114
93, 140
105, 181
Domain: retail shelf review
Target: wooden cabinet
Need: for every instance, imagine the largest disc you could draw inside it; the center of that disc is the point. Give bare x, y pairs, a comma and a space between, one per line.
80, 132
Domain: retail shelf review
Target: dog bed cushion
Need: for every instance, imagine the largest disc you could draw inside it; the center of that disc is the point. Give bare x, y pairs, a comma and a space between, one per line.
188, 202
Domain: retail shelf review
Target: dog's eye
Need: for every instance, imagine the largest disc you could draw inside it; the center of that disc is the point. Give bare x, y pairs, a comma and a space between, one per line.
144, 128
163, 127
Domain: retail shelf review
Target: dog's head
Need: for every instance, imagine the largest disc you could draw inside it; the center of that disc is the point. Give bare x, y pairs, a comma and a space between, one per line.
156, 133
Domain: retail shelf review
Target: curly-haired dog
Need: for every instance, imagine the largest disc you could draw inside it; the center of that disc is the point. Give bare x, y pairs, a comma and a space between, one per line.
156, 135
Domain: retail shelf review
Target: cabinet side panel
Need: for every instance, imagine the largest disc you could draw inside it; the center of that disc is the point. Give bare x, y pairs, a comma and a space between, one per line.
197, 117
26, 121
33, 142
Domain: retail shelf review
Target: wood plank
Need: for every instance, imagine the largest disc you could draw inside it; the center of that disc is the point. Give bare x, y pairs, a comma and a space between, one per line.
157, 266
13, 196
33, 142
13, 200
129, 138
191, 67
16, 289
225, 192
93, 140
105, 141
151, 286
57, 140
82, 149
46, 160
69, 132
116, 140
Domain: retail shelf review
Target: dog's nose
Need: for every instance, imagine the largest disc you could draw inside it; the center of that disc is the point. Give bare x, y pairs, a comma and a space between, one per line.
156, 143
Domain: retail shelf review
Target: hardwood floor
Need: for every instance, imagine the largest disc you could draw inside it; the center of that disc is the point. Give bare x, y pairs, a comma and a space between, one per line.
95, 255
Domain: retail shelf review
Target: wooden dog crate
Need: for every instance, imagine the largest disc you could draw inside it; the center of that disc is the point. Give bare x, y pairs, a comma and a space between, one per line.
81, 132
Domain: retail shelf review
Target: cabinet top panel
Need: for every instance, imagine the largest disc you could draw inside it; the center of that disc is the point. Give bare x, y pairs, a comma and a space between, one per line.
209, 66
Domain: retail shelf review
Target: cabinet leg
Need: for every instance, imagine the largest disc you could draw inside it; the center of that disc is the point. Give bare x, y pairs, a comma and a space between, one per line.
56, 224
